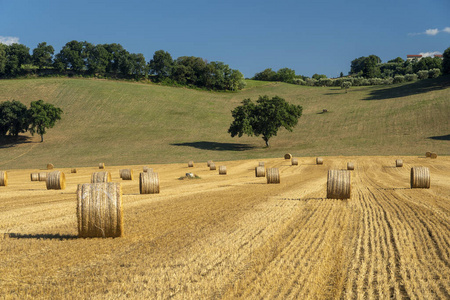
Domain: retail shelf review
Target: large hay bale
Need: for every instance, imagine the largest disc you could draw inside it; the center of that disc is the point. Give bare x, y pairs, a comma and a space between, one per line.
73, 170
212, 166
148, 170
34, 176
260, 171
50, 166
99, 210
420, 177
126, 174
3, 178
98, 177
273, 175
209, 162
399, 163
56, 180
261, 164
43, 176
433, 155
149, 183
222, 170
101, 165
191, 164
319, 160
427, 154
350, 166
338, 184
294, 161
287, 156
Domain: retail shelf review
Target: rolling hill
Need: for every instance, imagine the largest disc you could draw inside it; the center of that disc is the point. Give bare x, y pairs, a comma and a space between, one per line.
119, 122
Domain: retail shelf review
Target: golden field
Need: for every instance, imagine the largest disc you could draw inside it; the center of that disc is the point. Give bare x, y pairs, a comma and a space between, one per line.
234, 236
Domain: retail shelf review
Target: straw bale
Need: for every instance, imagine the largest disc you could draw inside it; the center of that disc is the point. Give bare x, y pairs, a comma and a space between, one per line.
56, 180
212, 166
350, 166
43, 176
319, 160
420, 177
34, 176
428, 154
273, 175
73, 170
399, 163
261, 164
222, 170
338, 184
260, 171
3, 178
99, 210
126, 174
101, 165
209, 162
98, 177
294, 161
149, 183
191, 164
50, 166
287, 156
433, 155
147, 169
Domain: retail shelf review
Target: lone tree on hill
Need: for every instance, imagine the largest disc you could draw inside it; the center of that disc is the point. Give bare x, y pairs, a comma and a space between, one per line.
264, 118
42, 116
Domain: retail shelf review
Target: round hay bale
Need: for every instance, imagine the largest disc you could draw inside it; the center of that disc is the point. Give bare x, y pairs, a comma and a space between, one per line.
261, 164
209, 162
350, 166
34, 176
101, 165
260, 171
56, 180
148, 170
324, 110
338, 184
3, 178
294, 161
399, 163
433, 155
126, 174
99, 210
98, 177
212, 166
428, 154
287, 156
191, 164
43, 176
319, 160
73, 170
420, 178
149, 183
273, 175
222, 170
50, 166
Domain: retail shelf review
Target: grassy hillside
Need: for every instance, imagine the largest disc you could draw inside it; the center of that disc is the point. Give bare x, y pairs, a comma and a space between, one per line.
130, 123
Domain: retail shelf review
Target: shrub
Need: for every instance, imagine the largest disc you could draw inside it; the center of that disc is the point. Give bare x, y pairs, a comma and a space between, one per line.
310, 82
388, 80
346, 85
410, 77
434, 73
299, 81
399, 78
423, 74
325, 82
376, 81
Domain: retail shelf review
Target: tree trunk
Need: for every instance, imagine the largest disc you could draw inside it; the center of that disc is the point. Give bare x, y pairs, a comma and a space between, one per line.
42, 138
267, 141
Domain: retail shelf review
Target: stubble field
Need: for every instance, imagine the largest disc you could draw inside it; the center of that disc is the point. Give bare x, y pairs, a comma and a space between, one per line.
235, 236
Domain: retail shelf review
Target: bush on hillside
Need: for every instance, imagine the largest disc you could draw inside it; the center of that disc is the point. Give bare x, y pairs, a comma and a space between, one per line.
423, 74
411, 77
434, 73
399, 78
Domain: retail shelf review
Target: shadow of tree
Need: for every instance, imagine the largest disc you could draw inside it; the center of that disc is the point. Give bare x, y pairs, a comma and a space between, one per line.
215, 146
43, 236
11, 141
418, 87
440, 137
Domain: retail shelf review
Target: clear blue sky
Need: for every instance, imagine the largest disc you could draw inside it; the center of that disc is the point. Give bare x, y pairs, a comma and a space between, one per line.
315, 36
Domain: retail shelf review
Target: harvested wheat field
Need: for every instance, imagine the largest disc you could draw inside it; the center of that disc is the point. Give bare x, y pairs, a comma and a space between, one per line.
236, 236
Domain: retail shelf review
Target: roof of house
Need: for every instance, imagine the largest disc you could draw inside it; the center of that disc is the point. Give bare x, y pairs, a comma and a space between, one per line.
414, 55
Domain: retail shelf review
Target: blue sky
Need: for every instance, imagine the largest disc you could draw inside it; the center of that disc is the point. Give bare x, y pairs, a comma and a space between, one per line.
315, 36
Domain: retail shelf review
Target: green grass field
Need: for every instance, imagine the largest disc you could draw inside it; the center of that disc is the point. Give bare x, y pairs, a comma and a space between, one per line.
120, 123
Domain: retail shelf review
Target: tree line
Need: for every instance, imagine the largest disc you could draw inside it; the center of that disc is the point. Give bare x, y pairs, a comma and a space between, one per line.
112, 60
16, 118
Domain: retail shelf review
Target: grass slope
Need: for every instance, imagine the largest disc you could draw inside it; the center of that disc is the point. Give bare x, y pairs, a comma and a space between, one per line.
131, 123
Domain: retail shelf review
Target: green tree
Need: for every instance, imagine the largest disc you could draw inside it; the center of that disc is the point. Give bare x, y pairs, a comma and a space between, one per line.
285, 75
266, 75
43, 55
428, 63
42, 116
3, 59
318, 76
97, 59
13, 118
16, 56
446, 61
161, 64
264, 118
73, 56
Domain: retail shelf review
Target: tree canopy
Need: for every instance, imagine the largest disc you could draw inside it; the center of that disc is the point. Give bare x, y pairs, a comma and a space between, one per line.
42, 116
264, 118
